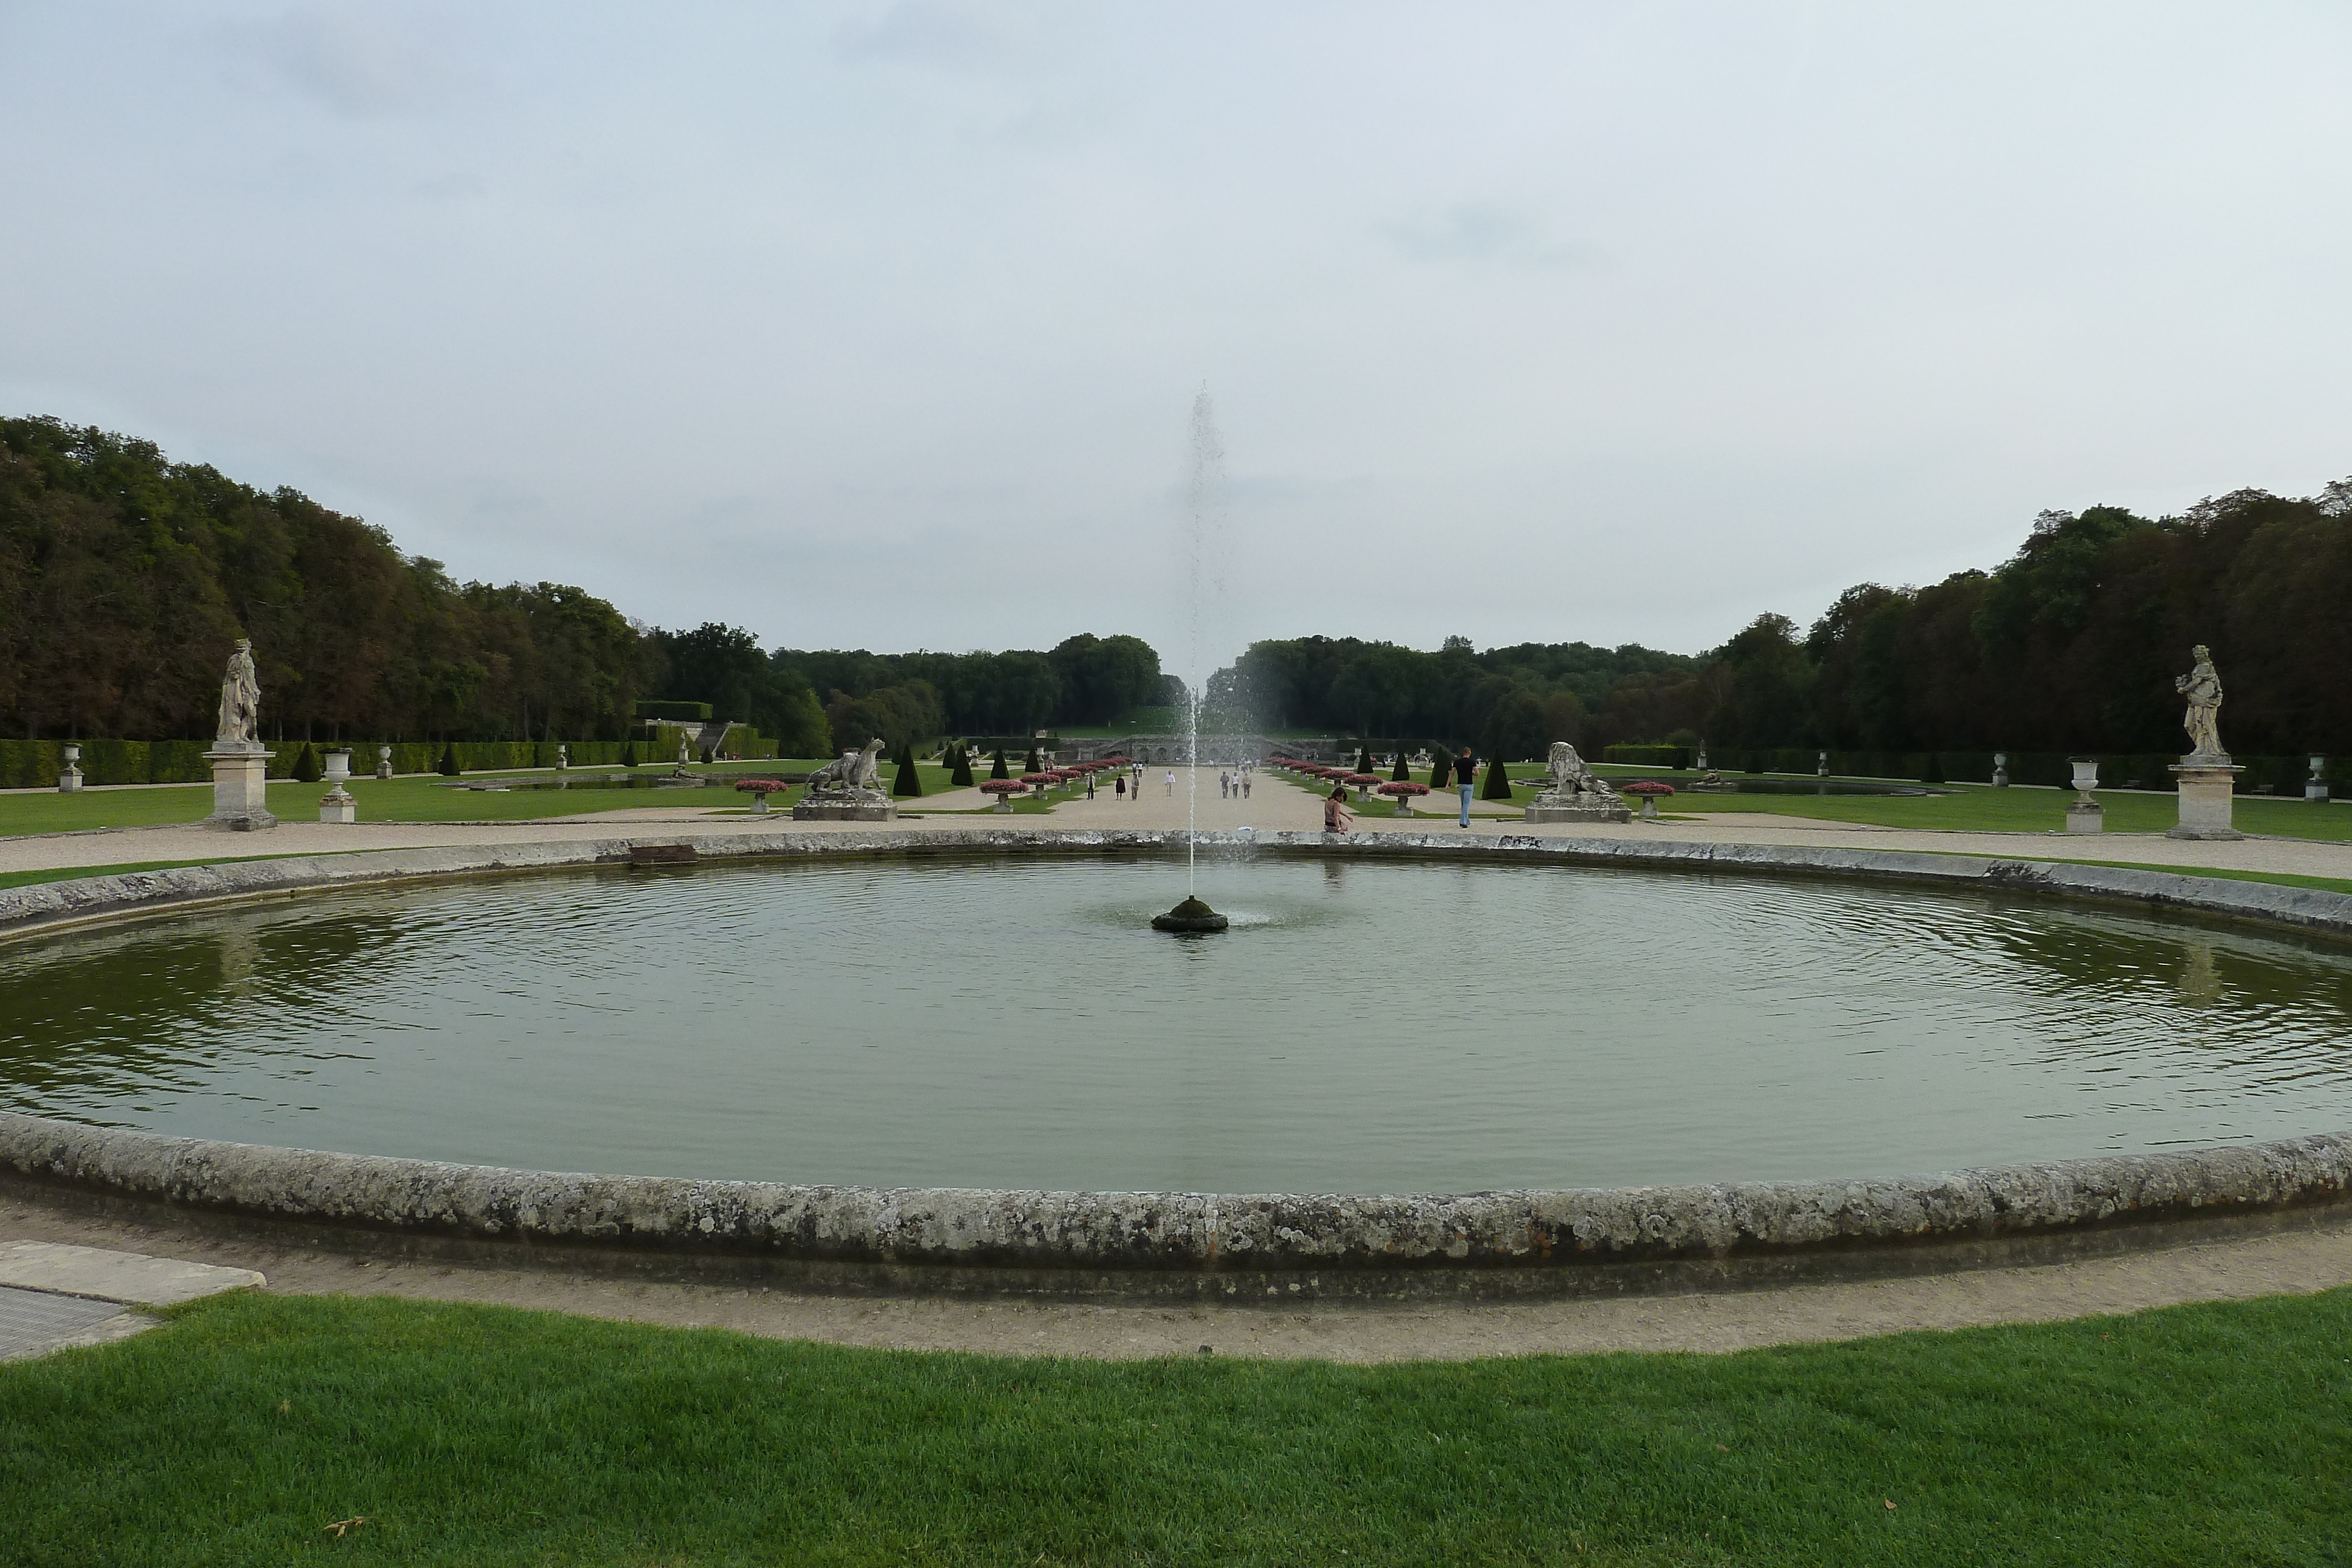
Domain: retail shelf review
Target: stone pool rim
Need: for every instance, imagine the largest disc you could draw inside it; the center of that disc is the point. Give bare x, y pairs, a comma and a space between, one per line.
1202, 1246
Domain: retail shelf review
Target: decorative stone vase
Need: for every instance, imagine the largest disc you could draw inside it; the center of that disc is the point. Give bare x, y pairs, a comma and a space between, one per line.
2315, 787
760, 803
1822, 767
69, 779
384, 761
339, 766
2001, 769
2084, 816
1649, 807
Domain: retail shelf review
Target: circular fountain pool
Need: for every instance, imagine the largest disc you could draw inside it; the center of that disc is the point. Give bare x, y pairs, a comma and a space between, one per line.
1364, 1027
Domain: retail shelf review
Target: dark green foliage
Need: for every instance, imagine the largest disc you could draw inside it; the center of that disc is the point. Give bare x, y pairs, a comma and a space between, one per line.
1648, 756
908, 783
997, 768
1933, 772
308, 768
1363, 759
692, 713
1498, 781
629, 753
1400, 774
1032, 763
962, 777
1441, 767
1756, 762
448, 765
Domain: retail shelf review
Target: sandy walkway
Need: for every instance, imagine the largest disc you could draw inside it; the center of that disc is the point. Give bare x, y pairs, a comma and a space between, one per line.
2293, 1262
1274, 805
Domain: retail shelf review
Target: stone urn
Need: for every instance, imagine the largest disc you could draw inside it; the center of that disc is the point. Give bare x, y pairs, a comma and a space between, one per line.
339, 766
69, 777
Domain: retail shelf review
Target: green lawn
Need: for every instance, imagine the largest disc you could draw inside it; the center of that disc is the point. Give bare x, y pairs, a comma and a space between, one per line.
421, 798
477, 1436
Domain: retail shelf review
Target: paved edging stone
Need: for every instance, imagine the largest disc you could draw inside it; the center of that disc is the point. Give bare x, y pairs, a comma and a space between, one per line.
1262, 1234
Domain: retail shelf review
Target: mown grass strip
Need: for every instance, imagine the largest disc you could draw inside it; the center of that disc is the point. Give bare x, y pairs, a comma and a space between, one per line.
483, 1436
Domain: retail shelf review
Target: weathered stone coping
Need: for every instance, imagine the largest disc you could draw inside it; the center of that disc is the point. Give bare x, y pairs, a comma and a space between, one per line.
1194, 1243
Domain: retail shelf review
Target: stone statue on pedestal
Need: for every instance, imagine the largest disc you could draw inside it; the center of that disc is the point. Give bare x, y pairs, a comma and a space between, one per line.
240, 762
2202, 687
849, 790
1576, 793
2206, 778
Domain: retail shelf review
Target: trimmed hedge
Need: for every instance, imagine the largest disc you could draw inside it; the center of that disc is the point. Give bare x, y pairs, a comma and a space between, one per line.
2117, 770
35, 763
691, 713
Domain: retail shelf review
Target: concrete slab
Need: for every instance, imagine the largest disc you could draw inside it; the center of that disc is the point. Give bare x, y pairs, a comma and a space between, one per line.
35, 1323
119, 1277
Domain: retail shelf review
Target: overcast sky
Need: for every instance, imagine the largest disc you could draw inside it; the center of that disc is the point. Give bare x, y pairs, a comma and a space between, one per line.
880, 324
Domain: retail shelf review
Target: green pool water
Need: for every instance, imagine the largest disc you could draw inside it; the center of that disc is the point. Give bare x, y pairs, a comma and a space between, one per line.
1394, 1027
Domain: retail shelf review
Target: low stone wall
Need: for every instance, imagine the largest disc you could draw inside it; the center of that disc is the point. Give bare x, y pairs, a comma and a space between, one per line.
1243, 1246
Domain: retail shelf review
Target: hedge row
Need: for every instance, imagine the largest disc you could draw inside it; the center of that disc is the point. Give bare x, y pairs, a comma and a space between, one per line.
2117, 770
35, 763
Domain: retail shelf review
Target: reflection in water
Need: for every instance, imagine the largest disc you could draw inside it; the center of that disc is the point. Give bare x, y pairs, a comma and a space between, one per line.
1366, 1028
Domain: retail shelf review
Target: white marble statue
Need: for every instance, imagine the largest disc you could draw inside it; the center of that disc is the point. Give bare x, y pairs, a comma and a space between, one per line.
2202, 687
855, 770
1575, 792
240, 702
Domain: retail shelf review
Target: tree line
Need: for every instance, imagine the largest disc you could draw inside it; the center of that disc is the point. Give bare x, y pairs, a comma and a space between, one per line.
125, 578
2070, 645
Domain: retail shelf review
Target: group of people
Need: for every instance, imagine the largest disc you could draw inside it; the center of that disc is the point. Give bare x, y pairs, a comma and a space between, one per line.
1234, 785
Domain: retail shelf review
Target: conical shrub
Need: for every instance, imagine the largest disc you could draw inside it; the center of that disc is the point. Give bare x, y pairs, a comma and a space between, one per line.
629, 754
1440, 770
998, 770
1035, 764
908, 784
1403, 775
1498, 781
962, 778
449, 768
307, 766
1363, 759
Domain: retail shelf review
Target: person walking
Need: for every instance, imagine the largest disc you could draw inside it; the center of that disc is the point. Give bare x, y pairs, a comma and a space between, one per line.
1246, 784
1120, 787
1171, 783
1464, 766
1335, 811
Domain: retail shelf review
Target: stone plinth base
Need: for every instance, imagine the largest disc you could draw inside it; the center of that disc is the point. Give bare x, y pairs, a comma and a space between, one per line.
2207, 791
1582, 808
2081, 819
69, 782
337, 805
2314, 791
240, 788
866, 806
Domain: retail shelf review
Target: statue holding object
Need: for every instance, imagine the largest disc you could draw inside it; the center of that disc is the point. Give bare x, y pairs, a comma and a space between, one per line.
2202, 687
240, 762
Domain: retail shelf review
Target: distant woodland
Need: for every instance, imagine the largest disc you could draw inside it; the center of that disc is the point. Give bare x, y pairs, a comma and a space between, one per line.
125, 578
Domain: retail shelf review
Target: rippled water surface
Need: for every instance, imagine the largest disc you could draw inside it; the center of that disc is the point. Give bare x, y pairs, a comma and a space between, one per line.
1365, 1027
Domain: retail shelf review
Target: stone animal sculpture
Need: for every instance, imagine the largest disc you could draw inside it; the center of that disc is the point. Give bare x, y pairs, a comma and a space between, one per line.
1570, 775
856, 770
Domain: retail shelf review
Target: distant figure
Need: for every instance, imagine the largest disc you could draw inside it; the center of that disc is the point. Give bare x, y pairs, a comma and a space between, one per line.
1335, 811
1463, 767
1246, 784
1171, 783
1121, 788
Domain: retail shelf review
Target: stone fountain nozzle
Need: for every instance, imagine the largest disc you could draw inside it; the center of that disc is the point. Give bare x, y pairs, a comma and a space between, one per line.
1190, 916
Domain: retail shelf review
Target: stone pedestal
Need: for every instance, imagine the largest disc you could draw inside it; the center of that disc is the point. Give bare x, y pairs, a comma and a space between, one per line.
2207, 791
240, 786
69, 779
1577, 808
846, 806
338, 806
2082, 818
384, 761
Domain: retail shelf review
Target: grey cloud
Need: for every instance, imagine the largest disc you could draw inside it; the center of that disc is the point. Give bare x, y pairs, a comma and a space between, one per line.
356, 59
1483, 231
